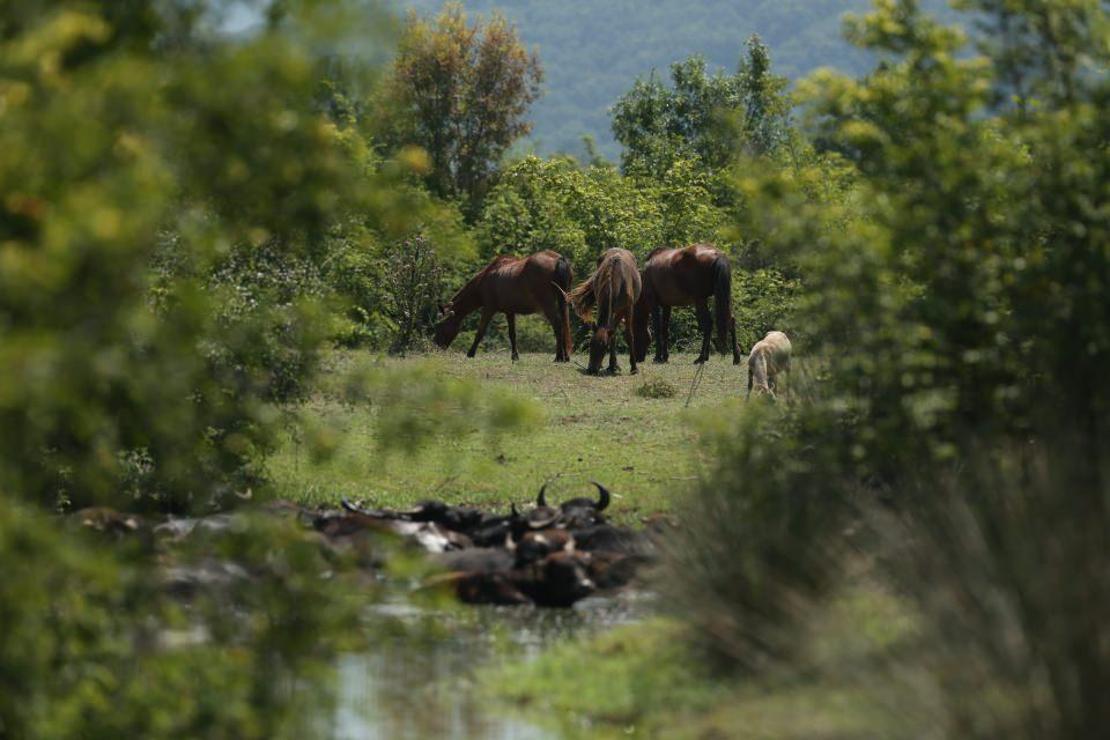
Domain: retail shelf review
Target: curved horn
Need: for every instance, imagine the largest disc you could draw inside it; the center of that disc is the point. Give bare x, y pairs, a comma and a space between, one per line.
602, 496
541, 500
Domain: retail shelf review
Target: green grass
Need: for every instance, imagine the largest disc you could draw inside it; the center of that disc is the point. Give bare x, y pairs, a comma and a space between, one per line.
642, 681
644, 449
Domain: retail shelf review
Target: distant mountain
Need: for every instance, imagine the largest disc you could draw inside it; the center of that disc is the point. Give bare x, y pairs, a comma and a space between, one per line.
592, 50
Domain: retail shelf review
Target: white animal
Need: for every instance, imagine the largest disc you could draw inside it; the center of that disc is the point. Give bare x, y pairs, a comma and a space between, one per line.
769, 357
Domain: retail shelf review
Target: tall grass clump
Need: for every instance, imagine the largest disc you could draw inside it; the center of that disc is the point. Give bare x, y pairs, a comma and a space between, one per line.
1006, 560
955, 294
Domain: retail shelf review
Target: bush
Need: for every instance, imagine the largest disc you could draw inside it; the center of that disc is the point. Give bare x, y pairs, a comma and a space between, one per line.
657, 388
958, 423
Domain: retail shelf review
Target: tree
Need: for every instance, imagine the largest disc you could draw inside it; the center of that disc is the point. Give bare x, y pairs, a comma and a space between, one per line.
701, 115
766, 106
461, 91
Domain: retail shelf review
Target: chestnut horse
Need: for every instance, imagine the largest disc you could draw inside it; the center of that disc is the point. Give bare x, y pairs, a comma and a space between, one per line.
679, 277
613, 288
513, 285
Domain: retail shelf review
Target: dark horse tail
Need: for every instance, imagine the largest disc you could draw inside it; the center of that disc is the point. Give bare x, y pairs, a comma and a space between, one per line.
722, 299
564, 276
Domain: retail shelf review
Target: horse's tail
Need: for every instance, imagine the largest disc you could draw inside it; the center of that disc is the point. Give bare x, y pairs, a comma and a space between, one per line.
722, 298
583, 298
564, 276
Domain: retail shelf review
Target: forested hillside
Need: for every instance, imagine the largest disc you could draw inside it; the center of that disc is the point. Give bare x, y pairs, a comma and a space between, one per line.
592, 51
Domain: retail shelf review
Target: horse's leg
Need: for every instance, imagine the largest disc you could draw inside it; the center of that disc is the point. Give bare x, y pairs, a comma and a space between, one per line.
666, 323
657, 331
552, 316
630, 338
735, 344
511, 318
705, 323
613, 367
483, 323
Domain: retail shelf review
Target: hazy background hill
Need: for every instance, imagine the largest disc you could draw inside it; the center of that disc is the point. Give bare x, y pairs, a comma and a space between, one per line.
592, 50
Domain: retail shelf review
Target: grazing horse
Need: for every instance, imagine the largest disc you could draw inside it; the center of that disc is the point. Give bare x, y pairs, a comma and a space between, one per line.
769, 357
613, 288
679, 277
513, 285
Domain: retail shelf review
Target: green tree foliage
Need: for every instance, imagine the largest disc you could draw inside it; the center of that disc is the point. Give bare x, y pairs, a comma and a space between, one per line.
698, 116
554, 204
460, 90
580, 212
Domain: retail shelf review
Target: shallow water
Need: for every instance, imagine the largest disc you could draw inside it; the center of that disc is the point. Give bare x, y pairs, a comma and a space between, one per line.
418, 682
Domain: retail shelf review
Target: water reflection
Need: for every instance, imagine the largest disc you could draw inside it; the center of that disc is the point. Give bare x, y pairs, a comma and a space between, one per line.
418, 681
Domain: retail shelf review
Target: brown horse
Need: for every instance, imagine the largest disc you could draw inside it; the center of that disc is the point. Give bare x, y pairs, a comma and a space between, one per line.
513, 285
613, 288
679, 277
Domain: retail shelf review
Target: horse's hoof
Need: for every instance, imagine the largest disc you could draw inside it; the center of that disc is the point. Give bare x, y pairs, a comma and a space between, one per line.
634, 371
659, 360
516, 358
736, 359
700, 360
470, 355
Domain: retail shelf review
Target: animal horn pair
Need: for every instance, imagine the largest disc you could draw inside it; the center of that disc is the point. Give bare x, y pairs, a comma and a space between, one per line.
603, 496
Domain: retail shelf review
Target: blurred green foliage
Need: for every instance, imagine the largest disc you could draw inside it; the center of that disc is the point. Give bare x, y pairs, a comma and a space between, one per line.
950, 232
126, 163
93, 645
183, 214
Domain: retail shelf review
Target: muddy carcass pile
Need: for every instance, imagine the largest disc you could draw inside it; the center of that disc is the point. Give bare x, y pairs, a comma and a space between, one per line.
546, 554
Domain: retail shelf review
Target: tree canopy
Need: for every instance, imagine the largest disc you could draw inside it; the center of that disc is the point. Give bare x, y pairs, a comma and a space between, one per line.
461, 91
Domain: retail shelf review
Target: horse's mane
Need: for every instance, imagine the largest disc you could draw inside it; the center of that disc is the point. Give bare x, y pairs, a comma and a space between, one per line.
472, 284
656, 251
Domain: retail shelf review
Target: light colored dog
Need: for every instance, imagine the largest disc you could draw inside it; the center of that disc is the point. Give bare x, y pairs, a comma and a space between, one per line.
769, 357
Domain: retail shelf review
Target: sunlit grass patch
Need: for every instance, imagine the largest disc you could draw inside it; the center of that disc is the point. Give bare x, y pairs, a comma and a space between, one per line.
576, 427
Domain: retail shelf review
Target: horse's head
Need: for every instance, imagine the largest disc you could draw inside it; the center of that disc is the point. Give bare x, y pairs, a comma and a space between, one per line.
447, 328
599, 345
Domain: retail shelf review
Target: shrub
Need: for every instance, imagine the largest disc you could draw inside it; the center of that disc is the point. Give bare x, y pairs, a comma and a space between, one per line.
657, 388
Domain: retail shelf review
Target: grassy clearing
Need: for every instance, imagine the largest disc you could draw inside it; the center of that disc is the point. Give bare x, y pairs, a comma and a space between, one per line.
641, 681
643, 448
